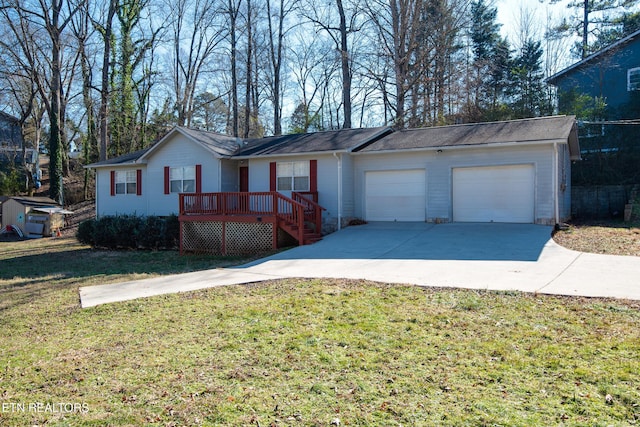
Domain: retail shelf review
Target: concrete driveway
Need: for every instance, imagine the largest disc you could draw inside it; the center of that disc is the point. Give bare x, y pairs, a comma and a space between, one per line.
518, 257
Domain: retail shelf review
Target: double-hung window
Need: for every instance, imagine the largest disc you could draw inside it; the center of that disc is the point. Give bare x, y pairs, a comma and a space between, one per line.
182, 179
126, 182
633, 79
293, 176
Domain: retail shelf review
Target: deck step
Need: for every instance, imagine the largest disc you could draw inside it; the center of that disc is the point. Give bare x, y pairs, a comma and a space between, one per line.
309, 234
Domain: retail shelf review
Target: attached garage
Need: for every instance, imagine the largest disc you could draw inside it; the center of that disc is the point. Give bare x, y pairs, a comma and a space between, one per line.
494, 194
395, 195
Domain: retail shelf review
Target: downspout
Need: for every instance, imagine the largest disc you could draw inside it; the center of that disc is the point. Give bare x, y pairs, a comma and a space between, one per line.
219, 175
556, 197
97, 208
339, 159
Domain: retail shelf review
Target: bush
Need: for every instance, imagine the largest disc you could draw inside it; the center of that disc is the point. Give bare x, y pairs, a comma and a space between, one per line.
130, 232
85, 232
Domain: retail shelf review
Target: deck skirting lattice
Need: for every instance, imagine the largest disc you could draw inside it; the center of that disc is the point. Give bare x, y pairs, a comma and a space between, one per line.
226, 238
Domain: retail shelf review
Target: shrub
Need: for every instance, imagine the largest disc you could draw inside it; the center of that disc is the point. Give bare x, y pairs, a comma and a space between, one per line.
130, 232
85, 232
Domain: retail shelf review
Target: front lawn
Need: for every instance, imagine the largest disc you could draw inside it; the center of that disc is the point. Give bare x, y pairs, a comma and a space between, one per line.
301, 352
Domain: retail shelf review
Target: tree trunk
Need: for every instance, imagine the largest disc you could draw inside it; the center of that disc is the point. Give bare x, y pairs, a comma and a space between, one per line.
55, 140
247, 92
345, 65
103, 115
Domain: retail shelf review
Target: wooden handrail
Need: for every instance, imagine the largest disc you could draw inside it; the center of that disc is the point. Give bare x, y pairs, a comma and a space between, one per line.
313, 211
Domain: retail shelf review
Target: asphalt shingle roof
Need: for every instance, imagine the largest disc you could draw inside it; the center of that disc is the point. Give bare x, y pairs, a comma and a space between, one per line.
339, 140
526, 130
560, 128
221, 144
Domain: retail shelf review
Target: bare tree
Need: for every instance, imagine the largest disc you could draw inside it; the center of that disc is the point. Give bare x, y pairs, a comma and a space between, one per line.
276, 41
349, 21
104, 25
312, 67
196, 33
39, 28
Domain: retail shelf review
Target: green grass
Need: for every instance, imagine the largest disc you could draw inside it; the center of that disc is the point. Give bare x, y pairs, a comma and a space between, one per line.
303, 352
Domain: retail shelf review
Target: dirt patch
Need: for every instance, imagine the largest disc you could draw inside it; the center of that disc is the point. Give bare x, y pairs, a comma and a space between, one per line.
612, 238
81, 212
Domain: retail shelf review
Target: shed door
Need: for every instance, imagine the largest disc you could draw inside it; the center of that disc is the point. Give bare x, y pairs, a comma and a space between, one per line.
397, 195
494, 194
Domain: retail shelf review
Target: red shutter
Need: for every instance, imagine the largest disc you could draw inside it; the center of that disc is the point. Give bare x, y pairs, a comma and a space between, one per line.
166, 180
272, 177
198, 178
113, 183
139, 182
313, 176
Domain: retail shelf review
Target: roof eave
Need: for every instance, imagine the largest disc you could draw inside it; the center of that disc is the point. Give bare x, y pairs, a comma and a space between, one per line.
115, 165
303, 153
469, 146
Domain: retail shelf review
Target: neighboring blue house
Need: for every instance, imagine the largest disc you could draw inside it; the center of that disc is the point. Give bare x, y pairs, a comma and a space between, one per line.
609, 136
13, 152
612, 73
10, 133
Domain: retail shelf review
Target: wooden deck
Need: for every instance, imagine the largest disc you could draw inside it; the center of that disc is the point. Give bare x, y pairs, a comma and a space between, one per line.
299, 216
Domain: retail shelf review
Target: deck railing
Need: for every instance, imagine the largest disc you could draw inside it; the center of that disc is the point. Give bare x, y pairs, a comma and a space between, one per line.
240, 203
227, 203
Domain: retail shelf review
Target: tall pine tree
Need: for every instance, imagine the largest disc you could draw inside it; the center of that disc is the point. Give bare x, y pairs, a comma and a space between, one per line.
527, 89
491, 65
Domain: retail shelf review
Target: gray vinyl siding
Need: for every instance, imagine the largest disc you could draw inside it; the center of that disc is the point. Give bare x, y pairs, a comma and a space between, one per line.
439, 170
327, 179
178, 152
120, 204
348, 197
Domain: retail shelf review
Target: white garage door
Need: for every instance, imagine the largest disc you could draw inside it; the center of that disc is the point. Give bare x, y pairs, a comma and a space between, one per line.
494, 194
397, 195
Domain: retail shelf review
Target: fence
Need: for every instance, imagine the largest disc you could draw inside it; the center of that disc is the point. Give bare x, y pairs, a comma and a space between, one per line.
601, 201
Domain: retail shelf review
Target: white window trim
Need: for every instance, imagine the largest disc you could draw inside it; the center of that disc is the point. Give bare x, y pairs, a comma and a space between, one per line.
631, 71
182, 180
126, 177
293, 175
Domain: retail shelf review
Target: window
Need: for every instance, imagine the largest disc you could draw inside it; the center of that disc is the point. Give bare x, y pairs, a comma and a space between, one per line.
633, 79
183, 179
126, 182
293, 176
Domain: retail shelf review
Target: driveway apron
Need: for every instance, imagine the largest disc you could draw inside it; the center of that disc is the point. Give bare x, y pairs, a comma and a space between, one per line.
518, 257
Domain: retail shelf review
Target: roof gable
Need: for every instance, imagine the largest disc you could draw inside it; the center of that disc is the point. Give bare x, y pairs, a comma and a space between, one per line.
594, 57
217, 144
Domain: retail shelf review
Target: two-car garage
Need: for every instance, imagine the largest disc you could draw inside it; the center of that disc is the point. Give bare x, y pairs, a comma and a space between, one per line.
504, 193
515, 171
